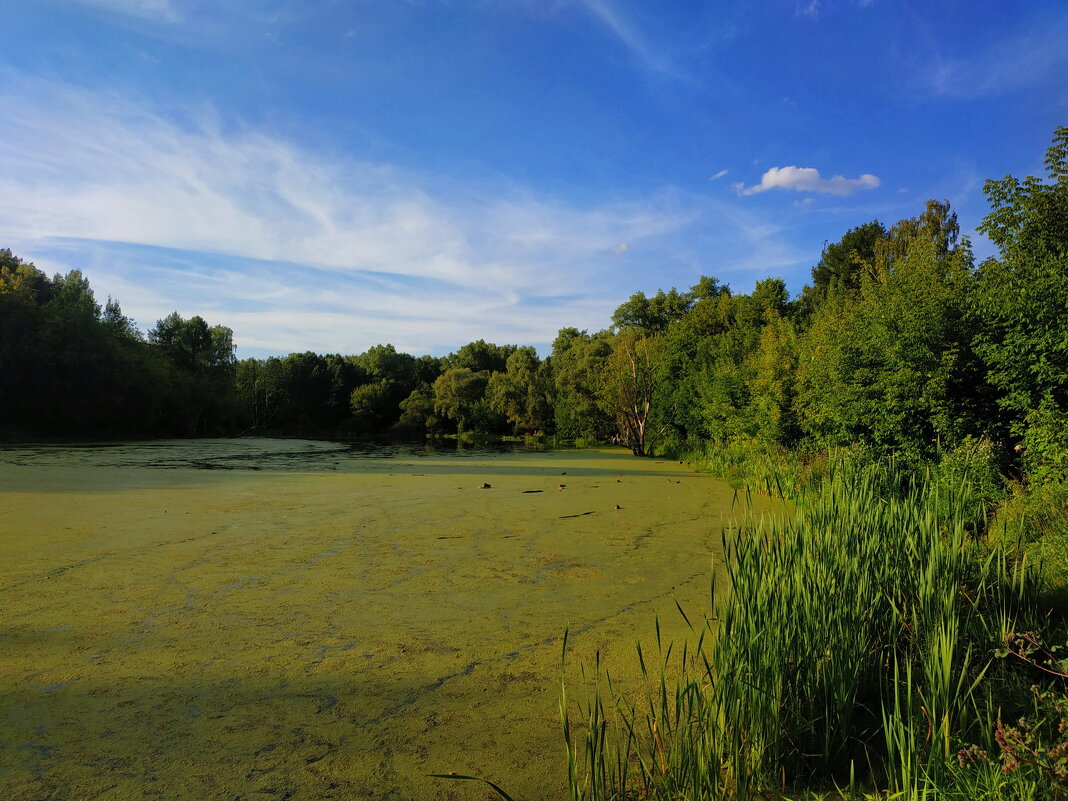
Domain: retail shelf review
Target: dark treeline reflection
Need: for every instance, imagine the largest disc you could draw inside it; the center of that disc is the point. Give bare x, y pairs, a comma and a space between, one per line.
901, 342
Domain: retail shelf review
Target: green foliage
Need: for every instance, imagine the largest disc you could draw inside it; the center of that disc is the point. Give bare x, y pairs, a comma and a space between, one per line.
373, 405
459, 397
1044, 444
633, 389
1022, 307
653, 315
900, 345
202, 358
522, 394
417, 412
577, 361
966, 480
67, 368
840, 267
481, 357
851, 647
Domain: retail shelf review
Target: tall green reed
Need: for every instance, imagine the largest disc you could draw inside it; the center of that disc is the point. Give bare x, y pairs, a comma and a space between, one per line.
851, 640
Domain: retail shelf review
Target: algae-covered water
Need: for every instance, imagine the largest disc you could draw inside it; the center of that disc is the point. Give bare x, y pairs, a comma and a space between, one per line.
272, 619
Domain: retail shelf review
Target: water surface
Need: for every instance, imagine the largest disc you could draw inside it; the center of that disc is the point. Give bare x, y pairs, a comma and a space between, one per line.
259, 619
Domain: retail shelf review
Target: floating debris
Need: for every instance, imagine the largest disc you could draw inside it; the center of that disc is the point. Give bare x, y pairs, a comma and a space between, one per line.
484, 485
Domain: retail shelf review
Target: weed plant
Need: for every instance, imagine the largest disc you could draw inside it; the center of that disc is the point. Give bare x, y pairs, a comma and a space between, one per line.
852, 653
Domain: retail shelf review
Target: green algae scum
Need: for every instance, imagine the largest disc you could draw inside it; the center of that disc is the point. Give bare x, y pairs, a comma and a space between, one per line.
306, 621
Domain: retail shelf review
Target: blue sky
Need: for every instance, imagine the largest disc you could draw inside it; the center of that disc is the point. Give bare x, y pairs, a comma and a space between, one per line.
326, 175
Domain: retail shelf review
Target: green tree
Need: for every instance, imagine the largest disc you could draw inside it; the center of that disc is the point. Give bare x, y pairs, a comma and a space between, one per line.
653, 315
890, 365
203, 356
481, 357
374, 405
417, 412
1021, 307
577, 360
523, 392
840, 267
773, 367
459, 396
632, 389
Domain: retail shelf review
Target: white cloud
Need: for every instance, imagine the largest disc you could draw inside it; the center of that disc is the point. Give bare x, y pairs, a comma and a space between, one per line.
125, 175
195, 216
808, 179
719, 175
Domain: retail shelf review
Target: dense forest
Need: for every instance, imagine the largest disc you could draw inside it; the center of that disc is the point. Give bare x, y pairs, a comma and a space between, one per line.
901, 342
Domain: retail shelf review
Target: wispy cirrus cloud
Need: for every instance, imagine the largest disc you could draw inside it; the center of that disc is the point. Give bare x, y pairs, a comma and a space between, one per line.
808, 179
1024, 58
610, 16
124, 174
297, 249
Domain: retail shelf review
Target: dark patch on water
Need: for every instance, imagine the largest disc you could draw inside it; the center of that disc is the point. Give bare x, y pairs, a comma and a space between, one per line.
286, 455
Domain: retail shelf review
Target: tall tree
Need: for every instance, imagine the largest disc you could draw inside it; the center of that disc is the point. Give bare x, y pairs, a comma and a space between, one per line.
1021, 309
577, 359
633, 389
523, 392
890, 364
204, 358
459, 396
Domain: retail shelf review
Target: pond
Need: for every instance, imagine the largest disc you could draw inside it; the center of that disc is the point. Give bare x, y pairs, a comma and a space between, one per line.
259, 618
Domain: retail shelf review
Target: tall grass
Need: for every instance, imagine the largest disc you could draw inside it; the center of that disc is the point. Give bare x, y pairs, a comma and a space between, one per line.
851, 652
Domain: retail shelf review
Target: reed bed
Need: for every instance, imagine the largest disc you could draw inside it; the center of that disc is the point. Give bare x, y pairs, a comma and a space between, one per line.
851, 654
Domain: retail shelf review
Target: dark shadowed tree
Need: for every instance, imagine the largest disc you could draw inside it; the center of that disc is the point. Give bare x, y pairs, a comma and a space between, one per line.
203, 355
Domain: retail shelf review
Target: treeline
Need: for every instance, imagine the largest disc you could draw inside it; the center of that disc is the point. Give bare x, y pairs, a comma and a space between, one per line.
901, 342
69, 368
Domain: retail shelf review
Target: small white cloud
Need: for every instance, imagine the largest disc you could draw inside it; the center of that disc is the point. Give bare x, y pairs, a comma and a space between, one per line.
719, 175
804, 202
809, 9
808, 179
620, 249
